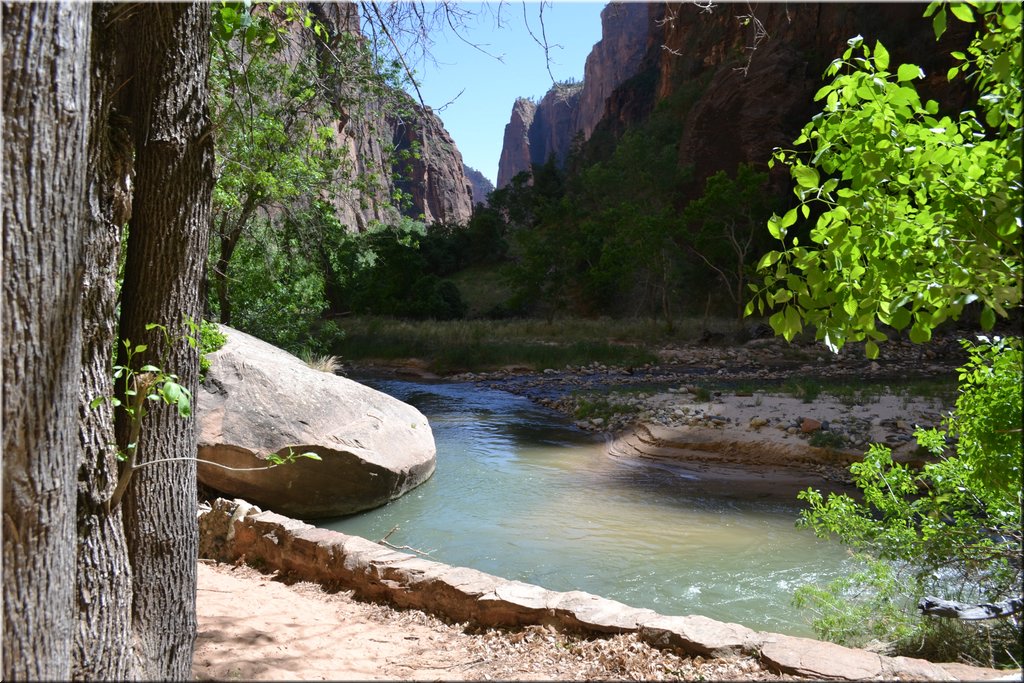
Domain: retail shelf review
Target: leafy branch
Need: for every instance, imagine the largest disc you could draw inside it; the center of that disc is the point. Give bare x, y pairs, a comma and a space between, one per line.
151, 384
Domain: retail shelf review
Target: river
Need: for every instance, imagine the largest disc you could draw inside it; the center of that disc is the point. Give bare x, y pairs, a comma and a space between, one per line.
519, 492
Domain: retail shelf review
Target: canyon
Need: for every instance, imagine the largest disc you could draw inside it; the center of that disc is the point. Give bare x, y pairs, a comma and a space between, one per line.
739, 81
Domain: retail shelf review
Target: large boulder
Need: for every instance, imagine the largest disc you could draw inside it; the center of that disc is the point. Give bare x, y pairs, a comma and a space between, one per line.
257, 400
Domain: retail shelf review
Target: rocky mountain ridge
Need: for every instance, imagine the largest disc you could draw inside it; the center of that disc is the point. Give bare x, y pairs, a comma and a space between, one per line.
538, 131
742, 78
480, 184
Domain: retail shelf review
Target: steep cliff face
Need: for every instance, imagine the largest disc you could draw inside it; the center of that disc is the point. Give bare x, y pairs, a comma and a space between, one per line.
433, 177
515, 148
625, 34
569, 109
481, 185
429, 168
750, 96
738, 96
554, 124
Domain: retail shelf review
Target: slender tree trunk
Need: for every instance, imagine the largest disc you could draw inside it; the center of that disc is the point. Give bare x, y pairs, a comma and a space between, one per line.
46, 102
228, 242
102, 642
167, 247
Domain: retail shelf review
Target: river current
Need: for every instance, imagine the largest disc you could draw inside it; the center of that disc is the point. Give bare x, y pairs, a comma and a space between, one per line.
521, 493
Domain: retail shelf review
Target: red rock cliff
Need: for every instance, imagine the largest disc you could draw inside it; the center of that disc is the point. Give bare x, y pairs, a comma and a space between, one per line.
435, 180
751, 95
515, 149
625, 34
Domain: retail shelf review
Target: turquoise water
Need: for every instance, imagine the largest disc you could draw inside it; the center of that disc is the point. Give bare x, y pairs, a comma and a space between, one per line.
521, 493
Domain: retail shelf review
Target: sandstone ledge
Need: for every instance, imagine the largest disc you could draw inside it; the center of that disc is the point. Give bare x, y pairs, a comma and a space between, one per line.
233, 531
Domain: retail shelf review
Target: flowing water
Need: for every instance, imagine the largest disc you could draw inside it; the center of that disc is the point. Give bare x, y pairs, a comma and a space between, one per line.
521, 493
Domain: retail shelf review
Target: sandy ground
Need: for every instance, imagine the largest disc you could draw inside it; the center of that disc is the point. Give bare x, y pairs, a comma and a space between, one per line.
253, 627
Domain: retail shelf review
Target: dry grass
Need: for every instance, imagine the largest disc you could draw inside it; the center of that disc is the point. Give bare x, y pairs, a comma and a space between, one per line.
324, 363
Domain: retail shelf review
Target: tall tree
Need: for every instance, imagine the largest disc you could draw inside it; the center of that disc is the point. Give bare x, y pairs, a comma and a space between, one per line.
91, 592
104, 573
166, 253
45, 73
917, 214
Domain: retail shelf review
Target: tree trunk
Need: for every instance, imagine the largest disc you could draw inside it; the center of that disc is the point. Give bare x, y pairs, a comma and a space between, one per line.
102, 642
46, 101
228, 242
167, 246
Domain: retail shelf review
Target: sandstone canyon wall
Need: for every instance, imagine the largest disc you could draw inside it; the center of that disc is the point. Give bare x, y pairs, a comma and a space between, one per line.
737, 96
367, 129
537, 132
481, 185
751, 96
515, 148
429, 168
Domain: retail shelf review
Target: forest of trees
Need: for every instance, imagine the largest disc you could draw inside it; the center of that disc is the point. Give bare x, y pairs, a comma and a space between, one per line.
165, 163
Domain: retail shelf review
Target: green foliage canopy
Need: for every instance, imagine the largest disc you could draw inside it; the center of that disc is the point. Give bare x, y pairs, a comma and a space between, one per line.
917, 215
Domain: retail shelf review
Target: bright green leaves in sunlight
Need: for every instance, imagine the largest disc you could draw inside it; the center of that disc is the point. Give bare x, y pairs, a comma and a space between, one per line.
950, 528
912, 216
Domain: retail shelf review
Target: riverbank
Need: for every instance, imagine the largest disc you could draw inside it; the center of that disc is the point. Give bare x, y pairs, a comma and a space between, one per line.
251, 627
784, 415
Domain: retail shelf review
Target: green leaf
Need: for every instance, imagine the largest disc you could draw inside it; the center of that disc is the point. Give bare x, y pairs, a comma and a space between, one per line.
184, 406
908, 72
768, 260
881, 57
806, 176
140, 348
149, 368
900, 318
171, 392
920, 333
97, 401
939, 23
962, 12
988, 319
792, 325
789, 219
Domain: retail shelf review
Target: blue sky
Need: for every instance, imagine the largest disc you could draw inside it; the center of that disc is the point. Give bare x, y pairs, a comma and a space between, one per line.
476, 120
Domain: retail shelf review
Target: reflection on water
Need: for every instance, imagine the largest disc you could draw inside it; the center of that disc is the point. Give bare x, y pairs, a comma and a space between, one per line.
522, 494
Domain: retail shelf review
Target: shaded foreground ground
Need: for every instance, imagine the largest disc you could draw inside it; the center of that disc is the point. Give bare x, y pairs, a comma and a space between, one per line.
253, 627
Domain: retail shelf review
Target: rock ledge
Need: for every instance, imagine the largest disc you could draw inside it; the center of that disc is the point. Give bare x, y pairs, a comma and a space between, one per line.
233, 531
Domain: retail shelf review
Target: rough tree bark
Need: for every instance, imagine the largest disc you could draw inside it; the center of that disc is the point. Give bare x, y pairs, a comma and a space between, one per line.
45, 74
102, 642
87, 594
167, 246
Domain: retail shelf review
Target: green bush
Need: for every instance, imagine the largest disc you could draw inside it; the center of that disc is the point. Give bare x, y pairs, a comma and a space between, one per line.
951, 529
210, 339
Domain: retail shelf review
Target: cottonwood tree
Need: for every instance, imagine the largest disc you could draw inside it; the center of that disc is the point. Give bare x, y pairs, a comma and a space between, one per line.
91, 91
724, 228
917, 216
105, 125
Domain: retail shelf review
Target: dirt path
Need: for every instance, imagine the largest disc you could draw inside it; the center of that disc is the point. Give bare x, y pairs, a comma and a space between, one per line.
253, 627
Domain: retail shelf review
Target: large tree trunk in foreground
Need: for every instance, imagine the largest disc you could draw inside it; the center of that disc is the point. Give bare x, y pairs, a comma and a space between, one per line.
167, 247
73, 605
45, 74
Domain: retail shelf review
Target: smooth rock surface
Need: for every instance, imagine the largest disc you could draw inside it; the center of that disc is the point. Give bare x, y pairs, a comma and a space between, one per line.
258, 399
